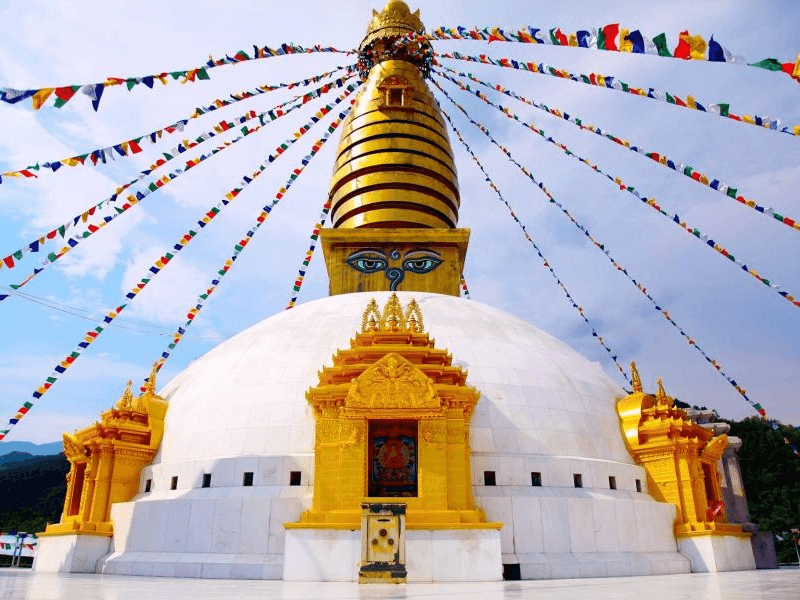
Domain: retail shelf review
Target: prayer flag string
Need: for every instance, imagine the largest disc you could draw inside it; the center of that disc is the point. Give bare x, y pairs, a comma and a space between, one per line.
614, 38
536, 248
631, 190
604, 249
301, 272
160, 263
464, 288
132, 199
609, 82
94, 91
240, 246
715, 184
134, 145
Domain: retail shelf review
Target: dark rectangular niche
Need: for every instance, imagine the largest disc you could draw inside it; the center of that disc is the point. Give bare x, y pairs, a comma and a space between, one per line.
174, 483
295, 477
489, 478
148, 485
536, 479
577, 479
612, 482
247, 480
639, 485
206, 480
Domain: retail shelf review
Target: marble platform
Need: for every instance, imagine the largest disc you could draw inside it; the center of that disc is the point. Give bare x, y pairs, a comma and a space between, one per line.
19, 584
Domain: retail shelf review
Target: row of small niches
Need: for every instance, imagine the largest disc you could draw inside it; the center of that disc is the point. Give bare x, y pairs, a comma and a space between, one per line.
489, 479
295, 478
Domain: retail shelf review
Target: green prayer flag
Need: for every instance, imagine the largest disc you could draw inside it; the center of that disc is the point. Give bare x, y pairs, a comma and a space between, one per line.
601, 39
202, 74
51, 257
130, 82
18, 254
770, 64
724, 109
661, 43
732, 192
670, 99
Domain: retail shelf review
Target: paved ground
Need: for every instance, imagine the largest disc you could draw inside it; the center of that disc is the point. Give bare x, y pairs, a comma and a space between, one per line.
782, 584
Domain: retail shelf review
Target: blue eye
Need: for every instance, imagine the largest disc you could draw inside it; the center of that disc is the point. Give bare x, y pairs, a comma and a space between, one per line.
367, 262
421, 262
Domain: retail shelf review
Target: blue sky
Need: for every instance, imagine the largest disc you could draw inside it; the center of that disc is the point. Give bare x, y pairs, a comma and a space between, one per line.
747, 327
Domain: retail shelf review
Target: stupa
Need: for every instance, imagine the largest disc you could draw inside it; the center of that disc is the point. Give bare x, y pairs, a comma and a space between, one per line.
394, 431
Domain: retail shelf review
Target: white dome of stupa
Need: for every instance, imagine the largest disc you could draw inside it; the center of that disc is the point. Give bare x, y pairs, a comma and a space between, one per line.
247, 395
237, 458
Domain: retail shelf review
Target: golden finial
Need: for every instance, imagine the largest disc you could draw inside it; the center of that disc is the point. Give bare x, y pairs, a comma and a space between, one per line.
661, 395
126, 399
637, 382
413, 317
150, 384
370, 318
392, 318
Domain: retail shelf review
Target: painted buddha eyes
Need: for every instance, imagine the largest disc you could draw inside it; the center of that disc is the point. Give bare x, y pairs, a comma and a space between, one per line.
419, 262
368, 261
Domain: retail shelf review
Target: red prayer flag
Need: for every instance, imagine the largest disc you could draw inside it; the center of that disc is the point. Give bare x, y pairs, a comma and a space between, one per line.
611, 32
683, 50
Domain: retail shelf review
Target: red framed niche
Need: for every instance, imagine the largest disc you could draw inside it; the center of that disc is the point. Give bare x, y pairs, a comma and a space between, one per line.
393, 459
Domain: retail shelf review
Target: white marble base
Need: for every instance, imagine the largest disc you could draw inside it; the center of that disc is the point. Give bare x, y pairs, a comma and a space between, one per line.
714, 553
431, 555
194, 564
73, 553
600, 564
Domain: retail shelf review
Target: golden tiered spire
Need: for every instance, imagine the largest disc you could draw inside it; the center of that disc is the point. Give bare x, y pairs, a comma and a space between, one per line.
394, 191
395, 164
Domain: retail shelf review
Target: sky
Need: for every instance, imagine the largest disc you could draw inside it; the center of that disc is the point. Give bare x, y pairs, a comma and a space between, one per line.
747, 327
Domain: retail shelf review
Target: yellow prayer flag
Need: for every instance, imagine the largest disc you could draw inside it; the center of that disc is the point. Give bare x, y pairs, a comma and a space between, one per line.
625, 45
573, 40
690, 102
40, 97
748, 119
703, 179
796, 130
796, 72
697, 47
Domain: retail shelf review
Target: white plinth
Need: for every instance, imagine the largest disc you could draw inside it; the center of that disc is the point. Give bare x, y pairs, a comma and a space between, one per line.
714, 553
72, 553
431, 555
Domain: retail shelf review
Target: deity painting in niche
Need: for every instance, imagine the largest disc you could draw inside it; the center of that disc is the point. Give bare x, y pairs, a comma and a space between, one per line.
393, 459
374, 260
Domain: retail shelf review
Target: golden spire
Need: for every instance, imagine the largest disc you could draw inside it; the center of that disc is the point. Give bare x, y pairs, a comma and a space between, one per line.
661, 395
126, 400
150, 384
394, 167
637, 382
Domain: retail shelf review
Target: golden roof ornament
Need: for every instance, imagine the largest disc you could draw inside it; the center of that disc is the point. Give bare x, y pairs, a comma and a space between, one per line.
126, 400
661, 395
150, 384
393, 318
394, 20
635, 379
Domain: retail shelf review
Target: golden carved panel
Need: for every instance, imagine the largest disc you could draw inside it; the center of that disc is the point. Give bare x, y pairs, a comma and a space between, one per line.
392, 382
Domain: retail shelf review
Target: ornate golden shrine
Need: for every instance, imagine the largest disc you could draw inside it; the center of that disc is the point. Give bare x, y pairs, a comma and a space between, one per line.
393, 376
106, 460
680, 458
